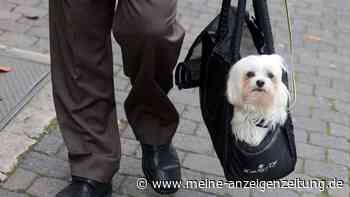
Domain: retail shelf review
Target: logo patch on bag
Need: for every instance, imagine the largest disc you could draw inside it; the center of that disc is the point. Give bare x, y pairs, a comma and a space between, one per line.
261, 168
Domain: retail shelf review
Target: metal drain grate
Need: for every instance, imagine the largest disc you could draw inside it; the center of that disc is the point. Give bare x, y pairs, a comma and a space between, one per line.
19, 85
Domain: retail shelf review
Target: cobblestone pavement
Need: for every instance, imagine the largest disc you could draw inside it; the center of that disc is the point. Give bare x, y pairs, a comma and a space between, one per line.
321, 115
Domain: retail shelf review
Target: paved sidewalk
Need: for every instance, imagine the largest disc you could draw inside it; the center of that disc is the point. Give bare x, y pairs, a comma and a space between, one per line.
322, 112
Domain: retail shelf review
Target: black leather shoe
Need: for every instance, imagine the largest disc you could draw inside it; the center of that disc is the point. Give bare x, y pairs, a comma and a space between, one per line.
160, 162
83, 187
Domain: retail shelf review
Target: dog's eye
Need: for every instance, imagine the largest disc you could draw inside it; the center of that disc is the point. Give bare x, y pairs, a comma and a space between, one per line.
250, 74
270, 75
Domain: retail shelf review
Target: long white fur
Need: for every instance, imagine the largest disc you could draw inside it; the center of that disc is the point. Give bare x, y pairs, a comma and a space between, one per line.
248, 114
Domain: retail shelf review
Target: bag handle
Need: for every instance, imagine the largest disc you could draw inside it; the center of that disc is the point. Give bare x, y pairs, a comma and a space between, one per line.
238, 30
223, 25
223, 21
263, 22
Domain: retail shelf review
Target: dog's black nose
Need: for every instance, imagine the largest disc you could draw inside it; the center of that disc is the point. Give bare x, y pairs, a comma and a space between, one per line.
260, 83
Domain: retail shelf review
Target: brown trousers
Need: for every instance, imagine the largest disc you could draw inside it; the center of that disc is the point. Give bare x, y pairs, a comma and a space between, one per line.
82, 76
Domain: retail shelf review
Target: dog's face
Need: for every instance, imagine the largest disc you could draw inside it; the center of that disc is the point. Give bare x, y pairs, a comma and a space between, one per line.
256, 80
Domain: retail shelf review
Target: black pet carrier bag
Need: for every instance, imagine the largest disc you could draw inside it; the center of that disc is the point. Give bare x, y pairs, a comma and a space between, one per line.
231, 35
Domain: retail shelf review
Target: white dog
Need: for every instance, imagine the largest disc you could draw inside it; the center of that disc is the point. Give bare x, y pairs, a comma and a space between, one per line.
259, 97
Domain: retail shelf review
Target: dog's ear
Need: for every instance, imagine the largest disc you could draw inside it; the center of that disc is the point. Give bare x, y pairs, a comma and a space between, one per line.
232, 90
283, 96
280, 60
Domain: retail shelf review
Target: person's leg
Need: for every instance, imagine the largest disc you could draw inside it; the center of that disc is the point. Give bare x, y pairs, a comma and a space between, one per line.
82, 79
150, 39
